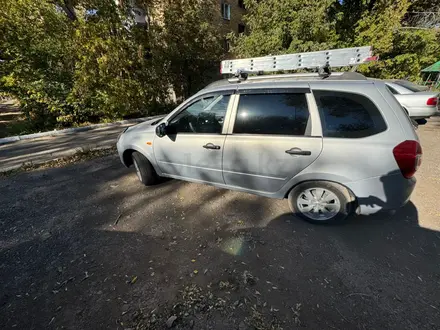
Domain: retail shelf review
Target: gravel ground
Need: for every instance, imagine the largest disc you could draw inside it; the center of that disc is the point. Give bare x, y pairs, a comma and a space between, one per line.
87, 247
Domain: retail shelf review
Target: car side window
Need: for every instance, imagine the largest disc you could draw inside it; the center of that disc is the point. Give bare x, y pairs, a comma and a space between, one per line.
272, 114
348, 115
205, 115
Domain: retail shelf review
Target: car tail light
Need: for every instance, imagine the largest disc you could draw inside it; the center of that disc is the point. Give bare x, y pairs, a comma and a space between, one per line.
432, 101
408, 155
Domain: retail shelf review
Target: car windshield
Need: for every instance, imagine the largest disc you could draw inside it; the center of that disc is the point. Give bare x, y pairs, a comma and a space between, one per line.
408, 85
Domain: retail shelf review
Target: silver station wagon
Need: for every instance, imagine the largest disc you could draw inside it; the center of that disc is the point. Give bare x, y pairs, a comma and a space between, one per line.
332, 147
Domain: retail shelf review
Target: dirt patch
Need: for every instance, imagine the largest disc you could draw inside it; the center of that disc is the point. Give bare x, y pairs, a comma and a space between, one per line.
220, 303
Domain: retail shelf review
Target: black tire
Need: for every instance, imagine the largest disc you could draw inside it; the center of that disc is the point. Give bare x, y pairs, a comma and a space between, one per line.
144, 170
346, 202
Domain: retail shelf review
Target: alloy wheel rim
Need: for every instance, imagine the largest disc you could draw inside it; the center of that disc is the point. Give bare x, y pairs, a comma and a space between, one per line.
318, 204
138, 172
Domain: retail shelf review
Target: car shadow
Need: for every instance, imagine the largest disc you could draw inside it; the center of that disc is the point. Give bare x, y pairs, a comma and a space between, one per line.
86, 247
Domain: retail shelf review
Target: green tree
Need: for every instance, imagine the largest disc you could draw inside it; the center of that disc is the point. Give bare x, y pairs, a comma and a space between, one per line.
411, 51
187, 38
72, 61
378, 26
403, 52
282, 26
36, 58
288, 26
114, 77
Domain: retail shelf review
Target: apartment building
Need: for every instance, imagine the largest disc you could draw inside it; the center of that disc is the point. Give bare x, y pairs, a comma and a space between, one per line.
232, 12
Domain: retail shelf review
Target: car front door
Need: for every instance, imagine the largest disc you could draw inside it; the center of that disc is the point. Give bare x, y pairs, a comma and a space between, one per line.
270, 139
192, 149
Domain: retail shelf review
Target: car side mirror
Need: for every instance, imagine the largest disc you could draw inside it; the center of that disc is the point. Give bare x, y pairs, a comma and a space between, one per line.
161, 130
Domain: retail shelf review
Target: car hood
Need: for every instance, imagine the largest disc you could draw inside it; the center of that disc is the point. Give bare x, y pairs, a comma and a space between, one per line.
148, 125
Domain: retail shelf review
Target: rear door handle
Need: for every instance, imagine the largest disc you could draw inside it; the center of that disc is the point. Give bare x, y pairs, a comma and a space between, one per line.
211, 146
298, 151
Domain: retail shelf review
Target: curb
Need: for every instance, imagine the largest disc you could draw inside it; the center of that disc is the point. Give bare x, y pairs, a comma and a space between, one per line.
67, 131
57, 156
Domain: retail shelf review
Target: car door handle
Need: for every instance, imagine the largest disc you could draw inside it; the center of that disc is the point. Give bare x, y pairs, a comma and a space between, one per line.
298, 151
211, 146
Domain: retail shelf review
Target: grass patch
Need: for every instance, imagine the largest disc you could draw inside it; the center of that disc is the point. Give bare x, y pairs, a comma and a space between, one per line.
16, 127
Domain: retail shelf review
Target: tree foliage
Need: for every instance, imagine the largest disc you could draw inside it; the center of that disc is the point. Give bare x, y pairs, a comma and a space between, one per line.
286, 26
73, 61
281, 26
187, 39
37, 61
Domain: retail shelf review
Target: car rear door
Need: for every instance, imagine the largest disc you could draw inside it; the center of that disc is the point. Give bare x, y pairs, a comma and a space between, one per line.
272, 137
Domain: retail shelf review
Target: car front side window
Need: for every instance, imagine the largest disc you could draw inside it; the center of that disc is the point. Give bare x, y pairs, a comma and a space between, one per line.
204, 116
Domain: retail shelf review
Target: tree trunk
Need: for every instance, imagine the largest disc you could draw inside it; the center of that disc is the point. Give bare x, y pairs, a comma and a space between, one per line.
68, 7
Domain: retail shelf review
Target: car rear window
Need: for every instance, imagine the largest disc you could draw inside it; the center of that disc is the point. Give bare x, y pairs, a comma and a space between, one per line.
273, 114
408, 85
348, 115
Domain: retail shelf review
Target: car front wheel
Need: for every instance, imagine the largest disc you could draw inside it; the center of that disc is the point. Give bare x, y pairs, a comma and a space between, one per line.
144, 170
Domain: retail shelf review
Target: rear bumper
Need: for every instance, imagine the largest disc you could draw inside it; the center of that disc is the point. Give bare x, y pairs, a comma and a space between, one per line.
421, 113
383, 193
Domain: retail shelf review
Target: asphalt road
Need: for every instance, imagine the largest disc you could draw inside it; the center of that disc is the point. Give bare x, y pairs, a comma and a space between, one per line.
87, 247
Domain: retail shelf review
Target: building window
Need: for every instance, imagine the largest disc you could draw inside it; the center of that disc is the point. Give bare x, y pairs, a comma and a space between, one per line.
241, 4
241, 28
226, 11
227, 45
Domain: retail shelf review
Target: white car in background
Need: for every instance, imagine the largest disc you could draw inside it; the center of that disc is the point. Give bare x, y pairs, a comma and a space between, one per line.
418, 103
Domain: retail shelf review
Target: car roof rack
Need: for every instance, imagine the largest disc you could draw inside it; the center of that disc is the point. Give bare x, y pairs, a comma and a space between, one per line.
322, 61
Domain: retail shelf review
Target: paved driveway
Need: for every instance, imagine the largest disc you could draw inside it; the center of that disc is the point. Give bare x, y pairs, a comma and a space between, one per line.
87, 247
37, 151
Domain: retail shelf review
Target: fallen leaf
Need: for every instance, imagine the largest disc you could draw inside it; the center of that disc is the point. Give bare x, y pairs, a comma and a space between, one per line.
133, 280
195, 271
171, 320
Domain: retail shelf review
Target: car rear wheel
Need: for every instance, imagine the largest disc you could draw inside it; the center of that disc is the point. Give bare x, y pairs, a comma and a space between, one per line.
144, 170
320, 202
